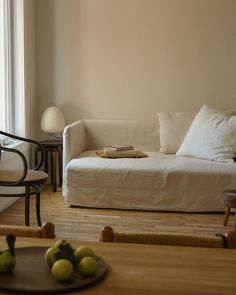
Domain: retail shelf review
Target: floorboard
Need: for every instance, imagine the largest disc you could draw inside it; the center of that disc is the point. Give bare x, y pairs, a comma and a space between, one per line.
86, 223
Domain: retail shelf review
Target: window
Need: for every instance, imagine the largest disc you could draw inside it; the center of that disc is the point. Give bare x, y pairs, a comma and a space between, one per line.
12, 96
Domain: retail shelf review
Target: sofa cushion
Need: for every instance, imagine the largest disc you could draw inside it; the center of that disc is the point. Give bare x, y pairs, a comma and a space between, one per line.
158, 182
173, 128
212, 136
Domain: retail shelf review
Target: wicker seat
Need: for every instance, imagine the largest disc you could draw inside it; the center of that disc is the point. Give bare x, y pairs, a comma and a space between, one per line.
30, 179
229, 200
172, 239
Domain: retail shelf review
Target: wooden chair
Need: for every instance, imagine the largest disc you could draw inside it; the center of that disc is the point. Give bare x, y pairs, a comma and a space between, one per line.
173, 239
30, 179
47, 231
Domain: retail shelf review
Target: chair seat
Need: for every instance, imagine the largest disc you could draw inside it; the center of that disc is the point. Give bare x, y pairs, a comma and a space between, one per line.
229, 198
32, 176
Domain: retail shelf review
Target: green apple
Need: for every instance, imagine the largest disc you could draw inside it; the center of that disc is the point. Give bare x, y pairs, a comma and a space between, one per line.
7, 261
88, 266
83, 251
50, 255
62, 270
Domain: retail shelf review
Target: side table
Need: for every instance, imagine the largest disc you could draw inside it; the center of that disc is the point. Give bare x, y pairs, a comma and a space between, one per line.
53, 151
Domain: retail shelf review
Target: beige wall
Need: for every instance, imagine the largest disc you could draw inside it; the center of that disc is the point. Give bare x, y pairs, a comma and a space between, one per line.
129, 59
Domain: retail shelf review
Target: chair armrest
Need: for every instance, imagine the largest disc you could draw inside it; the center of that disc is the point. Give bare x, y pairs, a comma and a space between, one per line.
40, 147
73, 141
25, 167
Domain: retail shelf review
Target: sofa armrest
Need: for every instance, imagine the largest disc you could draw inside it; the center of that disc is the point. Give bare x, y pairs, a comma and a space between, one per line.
73, 141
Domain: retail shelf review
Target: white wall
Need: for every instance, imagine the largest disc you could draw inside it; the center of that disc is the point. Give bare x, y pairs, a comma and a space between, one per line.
131, 58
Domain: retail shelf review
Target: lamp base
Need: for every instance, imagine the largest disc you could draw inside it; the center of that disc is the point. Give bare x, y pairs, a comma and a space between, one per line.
51, 136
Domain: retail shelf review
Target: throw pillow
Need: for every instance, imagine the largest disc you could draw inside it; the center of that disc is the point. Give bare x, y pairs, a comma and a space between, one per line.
212, 136
173, 128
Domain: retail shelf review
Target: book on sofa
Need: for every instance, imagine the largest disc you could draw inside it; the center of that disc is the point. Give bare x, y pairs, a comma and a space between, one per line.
119, 147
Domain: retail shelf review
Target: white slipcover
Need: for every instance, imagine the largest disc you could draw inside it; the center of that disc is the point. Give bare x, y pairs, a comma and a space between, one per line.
158, 182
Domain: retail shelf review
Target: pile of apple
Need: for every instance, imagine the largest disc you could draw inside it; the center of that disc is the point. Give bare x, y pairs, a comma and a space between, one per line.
65, 261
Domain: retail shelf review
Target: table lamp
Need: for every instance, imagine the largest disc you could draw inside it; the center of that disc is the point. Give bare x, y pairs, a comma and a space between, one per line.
52, 121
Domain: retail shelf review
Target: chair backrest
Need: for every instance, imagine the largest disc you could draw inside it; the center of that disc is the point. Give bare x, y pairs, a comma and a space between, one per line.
15, 178
173, 239
47, 231
31, 141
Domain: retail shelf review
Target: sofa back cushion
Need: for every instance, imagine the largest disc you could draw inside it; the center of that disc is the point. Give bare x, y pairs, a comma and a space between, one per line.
173, 128
143, 135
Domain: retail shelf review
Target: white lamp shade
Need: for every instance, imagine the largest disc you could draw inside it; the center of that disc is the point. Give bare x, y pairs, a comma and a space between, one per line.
52, 120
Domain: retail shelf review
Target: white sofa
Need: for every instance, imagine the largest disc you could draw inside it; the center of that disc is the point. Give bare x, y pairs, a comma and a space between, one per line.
160, 182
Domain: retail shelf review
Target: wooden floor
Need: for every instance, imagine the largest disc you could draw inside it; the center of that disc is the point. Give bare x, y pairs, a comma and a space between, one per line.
85, 224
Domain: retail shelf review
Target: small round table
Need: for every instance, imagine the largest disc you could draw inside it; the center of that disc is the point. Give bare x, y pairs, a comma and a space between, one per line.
53, 151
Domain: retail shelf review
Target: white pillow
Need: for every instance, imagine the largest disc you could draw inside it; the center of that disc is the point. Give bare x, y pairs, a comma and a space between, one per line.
212, 136
173, 128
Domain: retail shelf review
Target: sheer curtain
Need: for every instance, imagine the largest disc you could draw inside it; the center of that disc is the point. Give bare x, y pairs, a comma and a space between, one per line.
3, 67
12, 94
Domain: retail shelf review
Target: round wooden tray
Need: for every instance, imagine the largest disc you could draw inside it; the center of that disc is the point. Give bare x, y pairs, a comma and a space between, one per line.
32, 275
